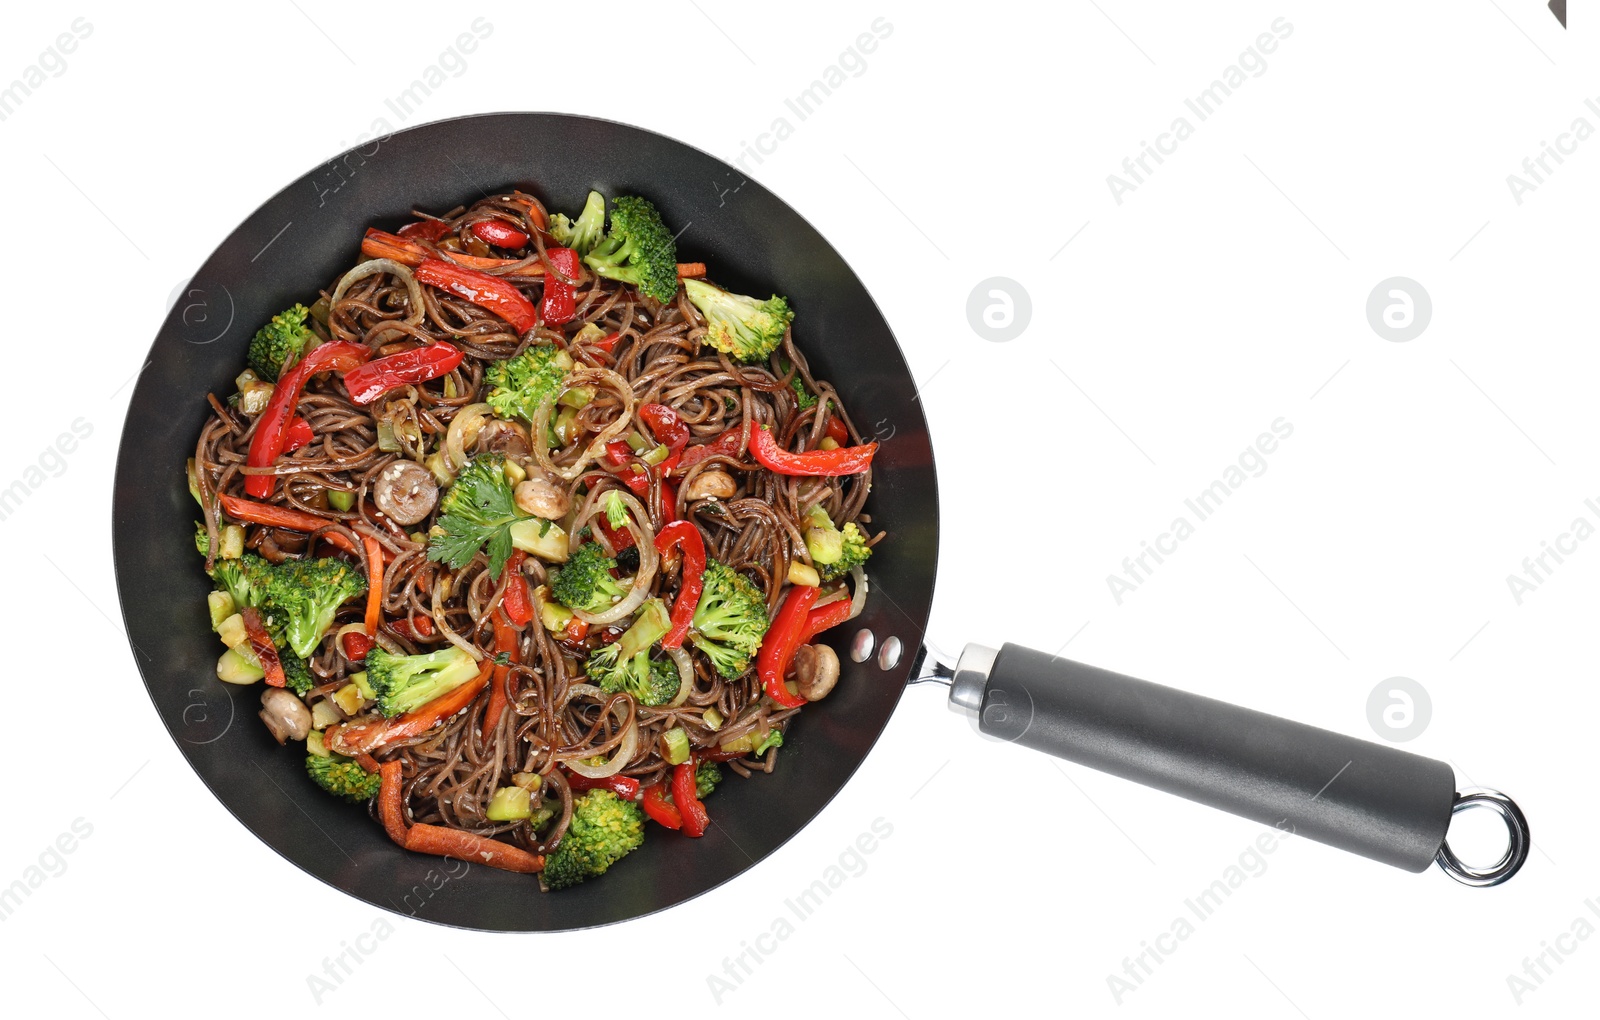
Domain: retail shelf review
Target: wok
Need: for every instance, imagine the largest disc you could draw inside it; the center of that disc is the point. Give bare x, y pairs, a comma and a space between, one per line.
1371, 799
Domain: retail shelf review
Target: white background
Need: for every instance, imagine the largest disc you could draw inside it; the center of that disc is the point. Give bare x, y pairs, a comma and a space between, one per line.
1227, 291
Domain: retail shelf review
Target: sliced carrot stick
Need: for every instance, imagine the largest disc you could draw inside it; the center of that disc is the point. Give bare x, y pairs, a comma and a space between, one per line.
391, 809
368, 762
474, 849
354, 738
535, 210
252, 512
380, 244
505, 640
374, 584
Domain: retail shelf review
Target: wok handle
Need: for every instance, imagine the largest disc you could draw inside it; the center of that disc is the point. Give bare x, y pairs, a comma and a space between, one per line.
1370, 799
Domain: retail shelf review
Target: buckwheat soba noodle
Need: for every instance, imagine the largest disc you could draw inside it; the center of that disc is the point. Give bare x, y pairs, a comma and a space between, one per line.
528, 533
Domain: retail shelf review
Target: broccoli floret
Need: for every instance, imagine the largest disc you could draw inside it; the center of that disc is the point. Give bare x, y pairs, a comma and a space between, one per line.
856, 552
297, 598
604, 829
730, 619
281, 342
625, 664
581, 235
585, 581
706, 778
302, 597
650, 681
834, 550
522, 383
477, 511
774, 738
616, 510
639, 250
342, 777
296, 672
803, 398
245, 579
743, 327
406, 682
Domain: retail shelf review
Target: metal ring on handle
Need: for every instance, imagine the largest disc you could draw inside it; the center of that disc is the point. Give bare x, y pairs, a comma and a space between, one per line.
1517, 847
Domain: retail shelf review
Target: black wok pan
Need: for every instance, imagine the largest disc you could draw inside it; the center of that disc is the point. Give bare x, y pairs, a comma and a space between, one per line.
1371, 799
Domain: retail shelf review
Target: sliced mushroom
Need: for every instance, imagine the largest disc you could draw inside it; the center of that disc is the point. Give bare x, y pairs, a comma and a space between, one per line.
541, 498
507, 437
405, 492
711, 485
816, 670
285, 715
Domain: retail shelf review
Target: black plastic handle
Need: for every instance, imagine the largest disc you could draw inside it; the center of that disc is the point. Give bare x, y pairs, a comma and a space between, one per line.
1376, 801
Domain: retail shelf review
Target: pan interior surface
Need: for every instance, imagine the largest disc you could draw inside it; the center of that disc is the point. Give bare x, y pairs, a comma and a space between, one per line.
299, 241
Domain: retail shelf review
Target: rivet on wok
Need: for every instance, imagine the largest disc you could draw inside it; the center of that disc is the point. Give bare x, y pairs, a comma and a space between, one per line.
889, 654
861, 645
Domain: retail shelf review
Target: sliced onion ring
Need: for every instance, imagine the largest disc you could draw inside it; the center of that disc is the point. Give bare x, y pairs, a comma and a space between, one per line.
625, 750
597, 445
644, 539
858, 601
469, 418
445, 629
371, 267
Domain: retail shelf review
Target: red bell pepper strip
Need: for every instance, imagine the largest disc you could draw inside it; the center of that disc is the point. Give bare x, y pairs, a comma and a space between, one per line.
273, 426
848, 460
261, 644
669, 502
607, 343
425, 230
782, 640
368, 382
499, 233
356, 646
516, 602
355, 737
686, 537
826, 618
835, 430
559, 306
413, 627
633, 473
694, 814
725, 445
577, 629
625, 787
505, 643
423, 838
668, 428
661, 810
272, 516
488, 292
391, 802
297, 435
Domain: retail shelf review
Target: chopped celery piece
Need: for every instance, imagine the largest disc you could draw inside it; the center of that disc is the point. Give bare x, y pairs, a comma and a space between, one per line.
509, 804
220, 605
675, 745
544, 539
235, 668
